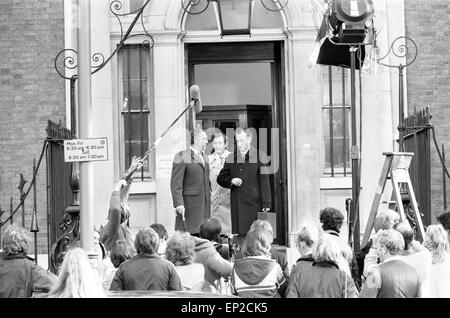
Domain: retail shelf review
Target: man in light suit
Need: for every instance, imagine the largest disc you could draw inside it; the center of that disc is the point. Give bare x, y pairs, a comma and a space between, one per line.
190, 185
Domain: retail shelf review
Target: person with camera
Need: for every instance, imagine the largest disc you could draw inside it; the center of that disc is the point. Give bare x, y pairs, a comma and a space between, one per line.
116, 227
216, 267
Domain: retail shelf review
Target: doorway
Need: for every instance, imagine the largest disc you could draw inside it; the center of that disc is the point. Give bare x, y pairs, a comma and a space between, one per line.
242, 85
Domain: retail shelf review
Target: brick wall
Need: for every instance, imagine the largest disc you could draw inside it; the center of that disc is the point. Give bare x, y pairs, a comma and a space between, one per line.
429, 77
31, 34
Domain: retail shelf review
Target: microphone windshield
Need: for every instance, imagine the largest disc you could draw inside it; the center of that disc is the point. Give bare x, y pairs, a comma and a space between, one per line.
194, 92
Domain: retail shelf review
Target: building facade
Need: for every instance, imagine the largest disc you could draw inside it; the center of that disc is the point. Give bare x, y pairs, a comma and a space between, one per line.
427, 81
270, 69
262, 81
31, 33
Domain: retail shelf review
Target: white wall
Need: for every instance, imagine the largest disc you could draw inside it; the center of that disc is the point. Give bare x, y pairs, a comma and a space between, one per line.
234, 83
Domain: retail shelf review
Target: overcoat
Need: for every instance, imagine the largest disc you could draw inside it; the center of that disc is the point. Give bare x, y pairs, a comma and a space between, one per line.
254, 193
220, 197
190, 187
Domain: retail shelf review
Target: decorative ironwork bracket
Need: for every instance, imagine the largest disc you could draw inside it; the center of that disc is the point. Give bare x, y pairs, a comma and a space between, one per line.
399, 50
68, 57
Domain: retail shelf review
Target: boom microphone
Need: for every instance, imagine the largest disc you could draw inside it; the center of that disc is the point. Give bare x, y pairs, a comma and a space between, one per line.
195, 103
194, 92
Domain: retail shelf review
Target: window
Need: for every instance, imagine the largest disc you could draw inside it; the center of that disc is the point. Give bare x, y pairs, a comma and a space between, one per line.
336, 125
136, 109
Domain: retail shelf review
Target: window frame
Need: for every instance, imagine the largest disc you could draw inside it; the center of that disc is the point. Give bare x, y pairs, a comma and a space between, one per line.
139, 176
327, 80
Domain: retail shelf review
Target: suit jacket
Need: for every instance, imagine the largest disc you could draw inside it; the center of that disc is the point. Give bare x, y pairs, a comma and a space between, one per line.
190, 186
254, 193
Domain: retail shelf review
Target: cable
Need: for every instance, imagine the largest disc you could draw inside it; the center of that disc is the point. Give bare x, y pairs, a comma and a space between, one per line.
22, 200
439, 152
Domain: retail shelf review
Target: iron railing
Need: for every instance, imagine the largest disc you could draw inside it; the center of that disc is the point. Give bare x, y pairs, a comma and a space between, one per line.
34, 227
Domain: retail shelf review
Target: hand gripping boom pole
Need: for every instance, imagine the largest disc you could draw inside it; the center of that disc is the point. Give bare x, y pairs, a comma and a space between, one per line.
194, 92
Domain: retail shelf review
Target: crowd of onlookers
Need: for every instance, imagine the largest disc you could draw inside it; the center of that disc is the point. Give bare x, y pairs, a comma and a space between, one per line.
392, 264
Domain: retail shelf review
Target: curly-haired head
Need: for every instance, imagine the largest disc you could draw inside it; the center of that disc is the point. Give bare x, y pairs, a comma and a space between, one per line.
327, 250
262, 225
436, 241
257, 242
180, 249
16, 240
392, 241
146, 242
331, 219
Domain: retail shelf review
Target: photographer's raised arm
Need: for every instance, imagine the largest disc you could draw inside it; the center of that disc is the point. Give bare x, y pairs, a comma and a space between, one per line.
136, 164
110, 230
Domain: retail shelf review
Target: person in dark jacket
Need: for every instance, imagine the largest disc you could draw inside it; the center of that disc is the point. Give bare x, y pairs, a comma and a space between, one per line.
19, 275
257, 275
216, 267
393, 278
146, 271
332, 220
249, 184
307, 238
190, 185
323, 278
116, 228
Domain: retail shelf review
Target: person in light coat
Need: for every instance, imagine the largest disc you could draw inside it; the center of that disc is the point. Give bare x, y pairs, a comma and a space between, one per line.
436, 241
220, 196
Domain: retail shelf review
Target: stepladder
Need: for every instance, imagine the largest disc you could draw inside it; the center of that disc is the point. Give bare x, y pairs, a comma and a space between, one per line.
396, 169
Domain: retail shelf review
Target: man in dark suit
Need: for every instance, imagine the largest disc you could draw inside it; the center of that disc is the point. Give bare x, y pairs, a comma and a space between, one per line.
250, 189
190, 186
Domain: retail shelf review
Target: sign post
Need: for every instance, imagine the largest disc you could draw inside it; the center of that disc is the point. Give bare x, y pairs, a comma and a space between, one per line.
91, 149
85, 126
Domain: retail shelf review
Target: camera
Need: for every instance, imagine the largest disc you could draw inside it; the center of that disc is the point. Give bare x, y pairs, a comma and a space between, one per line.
227, 246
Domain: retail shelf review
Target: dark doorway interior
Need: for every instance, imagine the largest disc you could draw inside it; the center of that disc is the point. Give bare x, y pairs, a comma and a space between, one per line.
242, 85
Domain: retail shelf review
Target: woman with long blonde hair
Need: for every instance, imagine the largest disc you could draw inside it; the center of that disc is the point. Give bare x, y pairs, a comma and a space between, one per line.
77, 279
436, 242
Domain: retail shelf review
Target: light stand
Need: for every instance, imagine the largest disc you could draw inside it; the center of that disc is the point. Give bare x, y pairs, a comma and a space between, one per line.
345, 22
355, 154
355, 150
